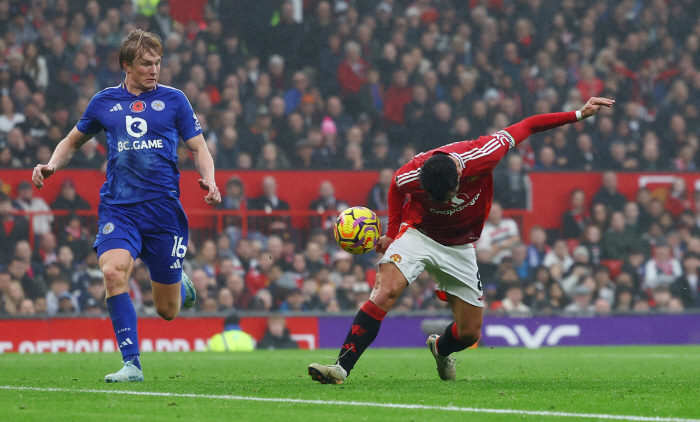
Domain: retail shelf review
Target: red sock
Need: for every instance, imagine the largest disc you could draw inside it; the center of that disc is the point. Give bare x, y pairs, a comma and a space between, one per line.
449, 342
362, 333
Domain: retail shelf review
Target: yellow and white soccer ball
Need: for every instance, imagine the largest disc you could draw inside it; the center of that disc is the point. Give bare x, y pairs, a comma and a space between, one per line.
357, 230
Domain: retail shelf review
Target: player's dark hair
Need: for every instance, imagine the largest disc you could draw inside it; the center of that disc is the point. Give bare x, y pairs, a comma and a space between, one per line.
136, 44
439, 177
232, 319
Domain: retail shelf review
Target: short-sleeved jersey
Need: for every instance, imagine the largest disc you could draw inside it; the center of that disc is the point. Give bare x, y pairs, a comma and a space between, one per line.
461, 220
143, 133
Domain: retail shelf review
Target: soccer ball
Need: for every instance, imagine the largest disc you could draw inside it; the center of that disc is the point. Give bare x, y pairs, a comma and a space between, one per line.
357, 230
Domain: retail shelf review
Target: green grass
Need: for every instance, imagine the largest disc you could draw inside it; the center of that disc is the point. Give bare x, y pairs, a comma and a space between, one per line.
631, 381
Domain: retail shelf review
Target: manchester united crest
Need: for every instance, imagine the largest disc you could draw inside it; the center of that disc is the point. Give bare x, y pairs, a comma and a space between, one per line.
395, 258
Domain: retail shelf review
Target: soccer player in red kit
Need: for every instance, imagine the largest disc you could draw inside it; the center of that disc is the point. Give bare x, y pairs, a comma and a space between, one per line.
451, 190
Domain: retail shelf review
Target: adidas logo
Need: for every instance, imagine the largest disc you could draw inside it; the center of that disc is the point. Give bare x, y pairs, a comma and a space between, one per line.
126, 342
116, 108
176, 265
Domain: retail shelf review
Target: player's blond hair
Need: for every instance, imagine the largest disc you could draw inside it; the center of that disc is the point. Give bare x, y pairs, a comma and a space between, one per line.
136, 44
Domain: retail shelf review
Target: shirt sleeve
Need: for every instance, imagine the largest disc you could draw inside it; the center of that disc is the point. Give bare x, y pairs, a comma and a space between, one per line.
481, 155
187, 123
89, 124
396, 200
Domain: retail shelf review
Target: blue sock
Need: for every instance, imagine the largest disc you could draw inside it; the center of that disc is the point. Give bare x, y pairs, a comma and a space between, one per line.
123, 316
183, 292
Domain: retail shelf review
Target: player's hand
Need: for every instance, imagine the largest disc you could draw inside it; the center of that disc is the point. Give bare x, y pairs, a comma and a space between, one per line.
383, 244
594, 104
41, 172
214, 196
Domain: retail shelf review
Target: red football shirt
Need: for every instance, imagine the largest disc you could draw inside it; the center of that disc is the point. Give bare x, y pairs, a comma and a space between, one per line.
461, 220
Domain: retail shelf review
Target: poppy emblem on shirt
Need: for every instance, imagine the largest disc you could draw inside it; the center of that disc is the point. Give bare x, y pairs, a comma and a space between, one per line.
157, 105
395, 258
137, 106
108, 228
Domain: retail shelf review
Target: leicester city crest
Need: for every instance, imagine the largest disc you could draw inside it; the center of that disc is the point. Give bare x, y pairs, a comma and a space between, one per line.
108, 228
157, 105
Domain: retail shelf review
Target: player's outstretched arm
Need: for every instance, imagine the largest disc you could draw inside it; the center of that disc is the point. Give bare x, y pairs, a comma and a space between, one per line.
61, 156
521, 130
205, 166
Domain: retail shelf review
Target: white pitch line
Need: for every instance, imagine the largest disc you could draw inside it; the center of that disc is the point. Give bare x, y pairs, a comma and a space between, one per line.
363, 404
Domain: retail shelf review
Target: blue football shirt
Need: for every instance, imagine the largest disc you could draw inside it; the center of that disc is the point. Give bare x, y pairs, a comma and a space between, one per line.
143, 133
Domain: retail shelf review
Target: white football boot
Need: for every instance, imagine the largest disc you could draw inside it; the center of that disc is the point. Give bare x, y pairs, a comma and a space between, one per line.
129, 373
445, 364
327, 374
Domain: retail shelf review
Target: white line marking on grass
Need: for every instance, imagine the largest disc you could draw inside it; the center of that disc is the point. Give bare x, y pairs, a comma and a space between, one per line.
363, 404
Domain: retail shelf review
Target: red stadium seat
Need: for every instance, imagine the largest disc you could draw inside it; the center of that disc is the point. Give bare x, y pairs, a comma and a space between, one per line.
614, 265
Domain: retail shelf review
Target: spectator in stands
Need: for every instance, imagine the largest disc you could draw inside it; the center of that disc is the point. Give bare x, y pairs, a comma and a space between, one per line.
93, 299
269, 201
12, 230
547, 160
512, 303
232, 339
381, 156
575, 219
28, 202
538, 248
326, 202
68, 199
608, 194
294, 302
58, 290
76, 237
277, 335
592, 238
632, 219
234, 200
241, 294
663, 301
499, 235
559, 255
512, 186
88, 157
352, 74
617, 241
343, 121
662, 268
599, 215
582, 301
686, 287
300, 87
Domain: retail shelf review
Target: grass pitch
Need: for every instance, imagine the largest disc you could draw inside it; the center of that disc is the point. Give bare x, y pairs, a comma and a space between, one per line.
563, 383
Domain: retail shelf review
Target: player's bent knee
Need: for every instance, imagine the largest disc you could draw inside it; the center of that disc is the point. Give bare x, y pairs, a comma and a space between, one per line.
115, 280
166, 312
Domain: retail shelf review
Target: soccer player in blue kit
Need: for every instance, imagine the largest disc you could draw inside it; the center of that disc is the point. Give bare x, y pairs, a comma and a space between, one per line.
140, 212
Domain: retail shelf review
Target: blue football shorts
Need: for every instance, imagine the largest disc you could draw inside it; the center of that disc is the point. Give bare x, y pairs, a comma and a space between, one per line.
154, 230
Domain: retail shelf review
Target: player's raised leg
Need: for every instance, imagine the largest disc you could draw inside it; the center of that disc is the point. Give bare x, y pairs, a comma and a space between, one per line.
116, 265
464, 332
389, 285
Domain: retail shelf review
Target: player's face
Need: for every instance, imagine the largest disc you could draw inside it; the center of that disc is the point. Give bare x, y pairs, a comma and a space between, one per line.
144, 71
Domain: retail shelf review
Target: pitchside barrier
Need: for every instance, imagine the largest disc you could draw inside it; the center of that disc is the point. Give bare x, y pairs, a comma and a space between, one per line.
90, 335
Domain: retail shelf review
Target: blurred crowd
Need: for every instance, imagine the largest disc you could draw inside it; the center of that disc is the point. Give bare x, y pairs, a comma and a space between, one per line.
366, 84
610, 254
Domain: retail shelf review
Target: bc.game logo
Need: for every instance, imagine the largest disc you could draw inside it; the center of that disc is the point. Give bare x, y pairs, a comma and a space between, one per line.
544, 334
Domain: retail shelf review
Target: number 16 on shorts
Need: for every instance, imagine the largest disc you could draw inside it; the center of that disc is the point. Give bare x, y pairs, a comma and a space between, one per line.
179, 250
